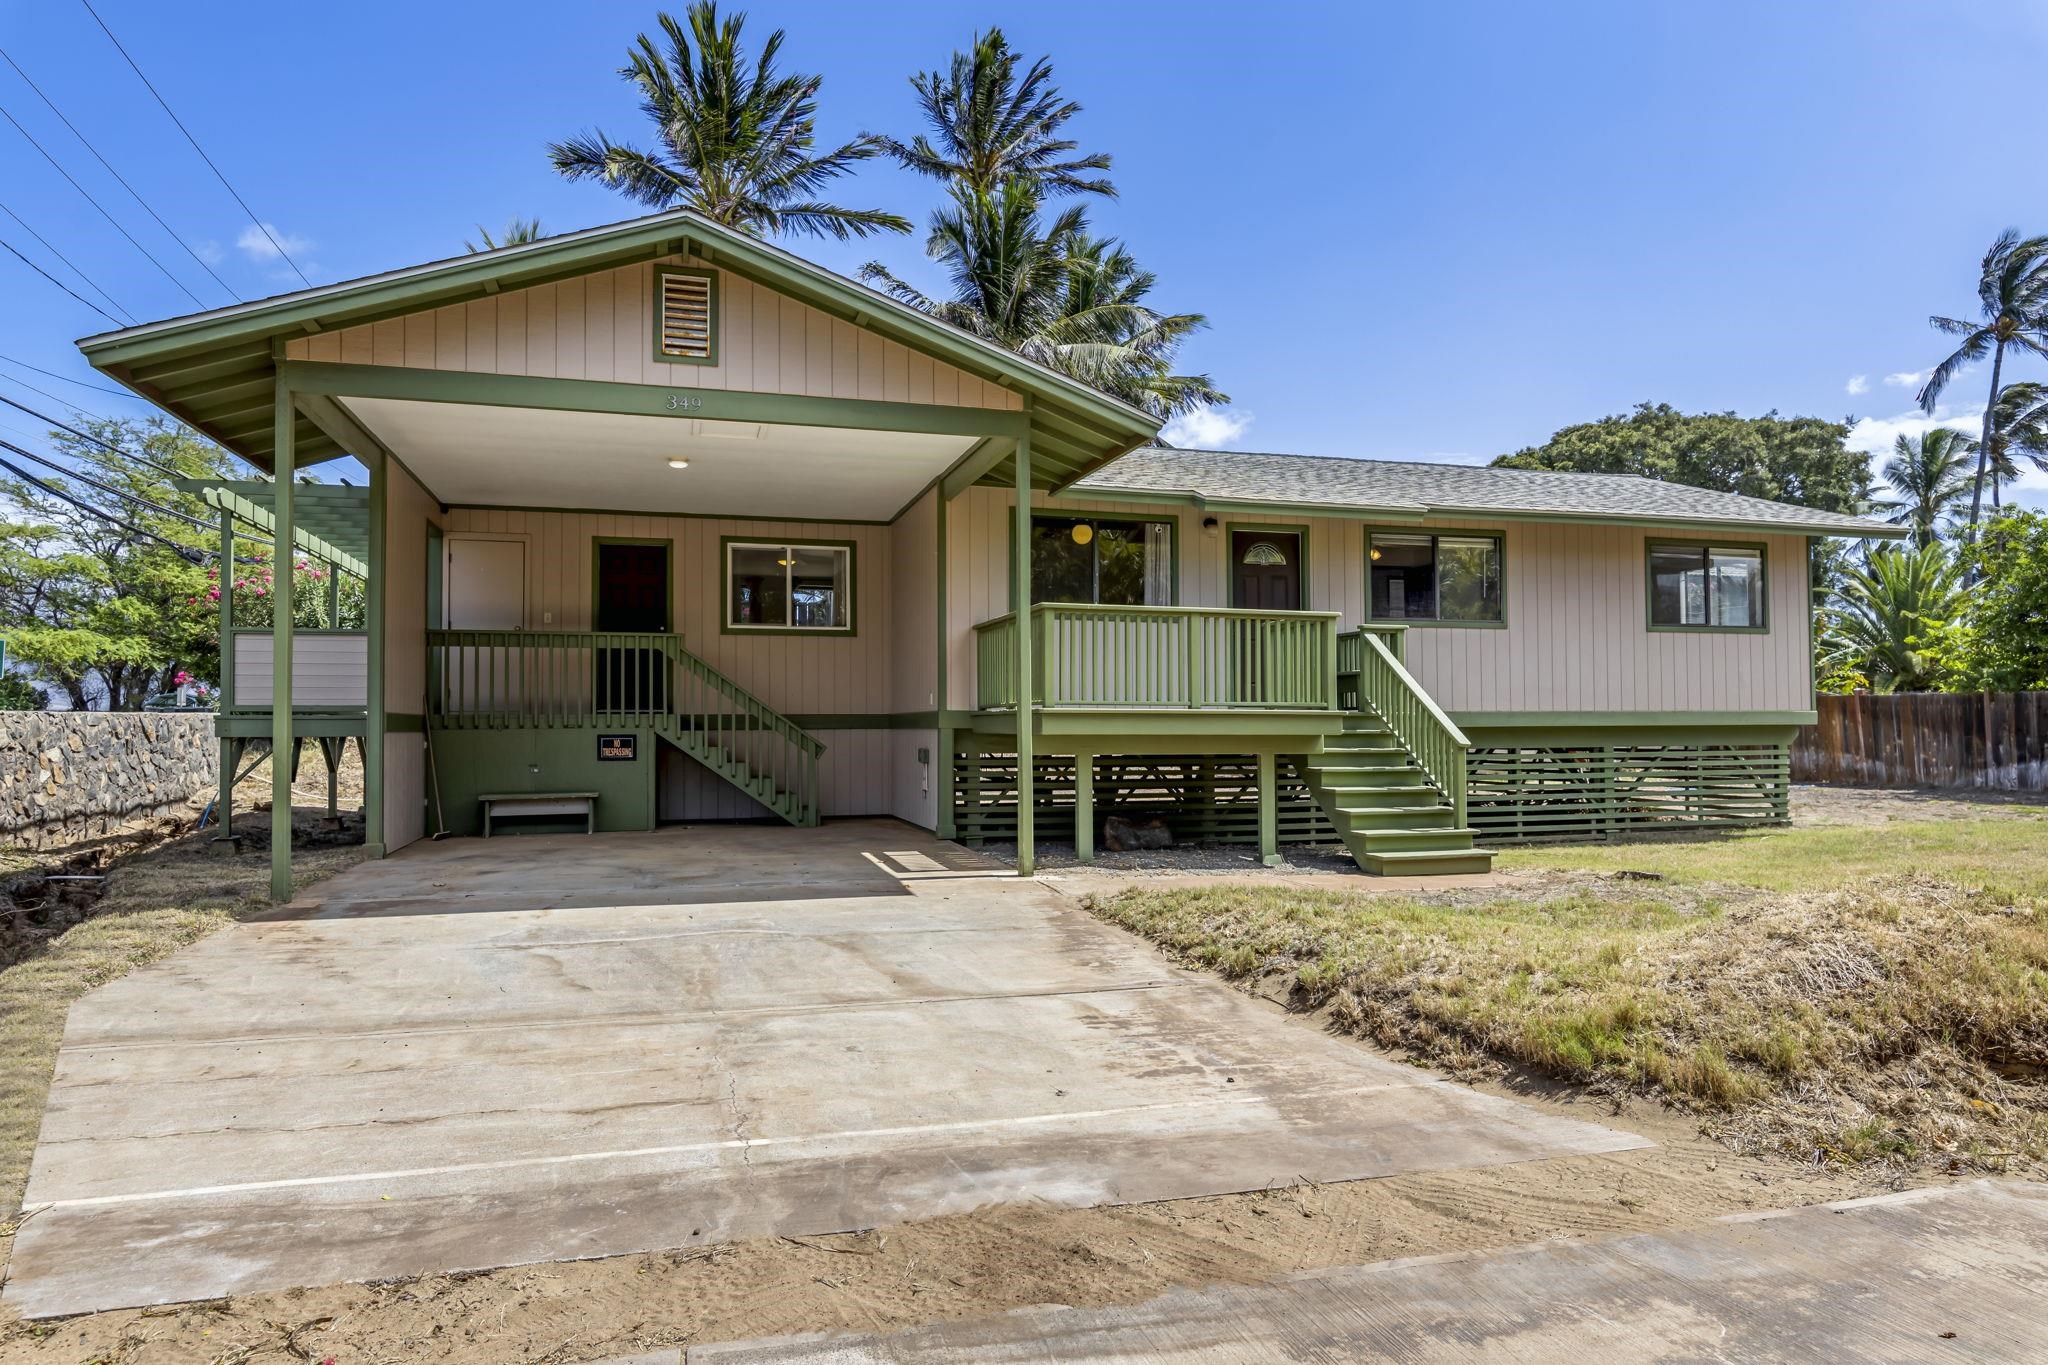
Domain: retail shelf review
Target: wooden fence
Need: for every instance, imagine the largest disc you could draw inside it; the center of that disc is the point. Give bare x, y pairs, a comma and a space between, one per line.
1927, 739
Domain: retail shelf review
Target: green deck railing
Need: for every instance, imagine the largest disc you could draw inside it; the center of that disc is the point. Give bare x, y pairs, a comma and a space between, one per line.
1380, 683
1198, 658
530, 680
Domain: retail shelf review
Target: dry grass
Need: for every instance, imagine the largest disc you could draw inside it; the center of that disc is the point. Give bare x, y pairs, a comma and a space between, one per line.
157, 901
1883, 995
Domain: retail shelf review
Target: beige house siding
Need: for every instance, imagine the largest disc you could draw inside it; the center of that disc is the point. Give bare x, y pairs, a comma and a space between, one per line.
1576, 639
408, 514
601, 326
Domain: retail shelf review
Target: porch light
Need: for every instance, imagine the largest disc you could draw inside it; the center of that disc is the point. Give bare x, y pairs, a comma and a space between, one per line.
1083, 533
1375, 554
679, 463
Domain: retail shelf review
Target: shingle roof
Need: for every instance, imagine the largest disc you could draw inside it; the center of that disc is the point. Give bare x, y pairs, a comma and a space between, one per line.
1405, 488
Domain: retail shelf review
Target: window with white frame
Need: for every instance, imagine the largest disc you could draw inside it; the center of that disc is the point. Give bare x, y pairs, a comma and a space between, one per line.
772, 586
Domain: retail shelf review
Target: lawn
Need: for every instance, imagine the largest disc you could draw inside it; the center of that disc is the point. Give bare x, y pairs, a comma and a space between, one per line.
1841, 992
157, 900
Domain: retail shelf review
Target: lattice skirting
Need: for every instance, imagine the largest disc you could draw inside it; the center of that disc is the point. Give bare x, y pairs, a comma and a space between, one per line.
1524, 795
1204, 798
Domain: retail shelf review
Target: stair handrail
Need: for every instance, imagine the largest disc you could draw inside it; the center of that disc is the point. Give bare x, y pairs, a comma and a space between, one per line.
755, 708
1431, 738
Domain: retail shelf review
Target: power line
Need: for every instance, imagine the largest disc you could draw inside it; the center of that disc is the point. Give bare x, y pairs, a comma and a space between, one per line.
59, 283
107, 488
96, 388
89, 280
191, 555
135, 193
102, 210
277, 245
88, 436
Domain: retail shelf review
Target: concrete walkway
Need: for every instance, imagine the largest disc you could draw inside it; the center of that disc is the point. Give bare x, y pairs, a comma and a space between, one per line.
481, 1053
1956, 1274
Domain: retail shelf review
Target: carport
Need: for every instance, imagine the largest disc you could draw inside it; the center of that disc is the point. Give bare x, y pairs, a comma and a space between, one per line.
555, 1047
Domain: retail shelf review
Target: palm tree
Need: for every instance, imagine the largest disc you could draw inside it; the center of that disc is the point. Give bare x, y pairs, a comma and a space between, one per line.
992, 128
1887, 613
517, 232
2012, 298
2019, 429
1056, 295
735, 143
1930, 474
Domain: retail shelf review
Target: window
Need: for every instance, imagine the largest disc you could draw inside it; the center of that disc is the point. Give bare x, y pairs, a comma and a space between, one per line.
1435, 578
1102, 560
686, 316
1706, 587
788, 587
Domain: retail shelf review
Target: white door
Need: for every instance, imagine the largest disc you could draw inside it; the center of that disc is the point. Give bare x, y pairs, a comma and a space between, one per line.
485, 589
486, 584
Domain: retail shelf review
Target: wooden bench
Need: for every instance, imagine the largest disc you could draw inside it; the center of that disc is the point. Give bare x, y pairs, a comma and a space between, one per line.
540, 803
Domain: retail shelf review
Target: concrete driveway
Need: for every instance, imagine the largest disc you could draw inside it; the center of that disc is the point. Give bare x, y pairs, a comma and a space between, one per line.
480, 1053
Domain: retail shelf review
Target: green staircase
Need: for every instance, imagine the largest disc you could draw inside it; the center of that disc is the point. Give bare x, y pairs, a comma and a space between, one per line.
1393, 782
754, 748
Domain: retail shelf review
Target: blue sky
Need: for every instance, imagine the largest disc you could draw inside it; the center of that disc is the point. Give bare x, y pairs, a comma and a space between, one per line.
1419, 231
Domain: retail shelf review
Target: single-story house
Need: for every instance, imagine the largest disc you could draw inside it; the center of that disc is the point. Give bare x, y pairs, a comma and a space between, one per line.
664, 523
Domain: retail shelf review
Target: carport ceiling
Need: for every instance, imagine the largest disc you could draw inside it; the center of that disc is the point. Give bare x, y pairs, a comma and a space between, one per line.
523, 457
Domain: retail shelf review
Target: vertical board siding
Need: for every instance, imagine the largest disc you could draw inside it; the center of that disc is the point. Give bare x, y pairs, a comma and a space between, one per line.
913, 605
1576, 601
601, 326
1997, 740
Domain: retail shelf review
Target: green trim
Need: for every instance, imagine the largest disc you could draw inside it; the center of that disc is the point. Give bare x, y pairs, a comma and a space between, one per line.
405, 723
712, 315
1042, 512
942, 754
301, 631
1435, 534
431, 584
645, 400
1812, 636
1020, 590
377, 722
1693, 719
853, 614
668, 572
867, 720
305, 724
283, 743
1763, 553
666, 516
1299, 529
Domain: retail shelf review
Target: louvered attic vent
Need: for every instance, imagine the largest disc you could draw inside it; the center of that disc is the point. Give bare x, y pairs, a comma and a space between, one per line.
688, 306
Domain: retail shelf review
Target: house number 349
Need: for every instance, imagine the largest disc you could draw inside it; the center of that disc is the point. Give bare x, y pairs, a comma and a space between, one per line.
684, 402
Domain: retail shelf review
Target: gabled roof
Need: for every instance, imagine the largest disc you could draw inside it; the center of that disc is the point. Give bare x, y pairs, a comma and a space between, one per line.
1399, 490
215, 370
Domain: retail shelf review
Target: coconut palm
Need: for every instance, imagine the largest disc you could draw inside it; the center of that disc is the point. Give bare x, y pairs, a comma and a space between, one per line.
1887, 614
1930, 474
1056, 295
516, 232
991, 127
2012, 299
2019, 430
735, 140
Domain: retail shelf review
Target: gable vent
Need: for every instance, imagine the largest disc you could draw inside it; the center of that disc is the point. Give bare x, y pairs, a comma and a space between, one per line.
686, 302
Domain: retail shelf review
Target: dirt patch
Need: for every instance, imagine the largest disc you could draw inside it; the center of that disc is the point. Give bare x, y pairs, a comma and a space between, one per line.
1816, 806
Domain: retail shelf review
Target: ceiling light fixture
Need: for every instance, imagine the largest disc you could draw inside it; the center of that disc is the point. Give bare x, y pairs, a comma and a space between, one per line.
679, 463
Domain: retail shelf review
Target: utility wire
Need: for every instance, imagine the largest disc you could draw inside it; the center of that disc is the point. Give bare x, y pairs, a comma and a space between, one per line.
133, 192
14, 252
89, 280
107, 488
191, 555
109, 446
102, 209
96, 388
277, 245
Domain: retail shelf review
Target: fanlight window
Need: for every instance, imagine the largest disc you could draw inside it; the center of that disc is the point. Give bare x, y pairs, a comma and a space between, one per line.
1265, 554
686, 310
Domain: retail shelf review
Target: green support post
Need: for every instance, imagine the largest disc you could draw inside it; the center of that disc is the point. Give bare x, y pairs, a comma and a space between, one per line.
1020, 575
1084, 807
374, 720
333, 597
942, 687
1269, 810
224, 801
282, 747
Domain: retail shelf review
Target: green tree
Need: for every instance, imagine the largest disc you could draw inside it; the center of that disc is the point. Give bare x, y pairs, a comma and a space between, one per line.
1888, 626
96, 603
2012, 306
19, 694
516, 232
2005, 645
1930, 474
989, 127
736, 140
2019, 430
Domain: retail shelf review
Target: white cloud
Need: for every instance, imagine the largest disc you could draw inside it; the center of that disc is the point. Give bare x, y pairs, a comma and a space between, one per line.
1858, 383
259, 248
210, 252
1875, 435
1904, 379
1207, 428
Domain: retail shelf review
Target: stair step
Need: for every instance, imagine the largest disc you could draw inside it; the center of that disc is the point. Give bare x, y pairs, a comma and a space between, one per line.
1435, 863
1449, 839
1371, 778
1432, 816
1387, 756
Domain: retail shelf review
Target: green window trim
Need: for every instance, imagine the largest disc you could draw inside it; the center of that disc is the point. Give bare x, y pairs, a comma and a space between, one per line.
1435, 534
1169, 520
1652, 544
664, 273
726, 626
